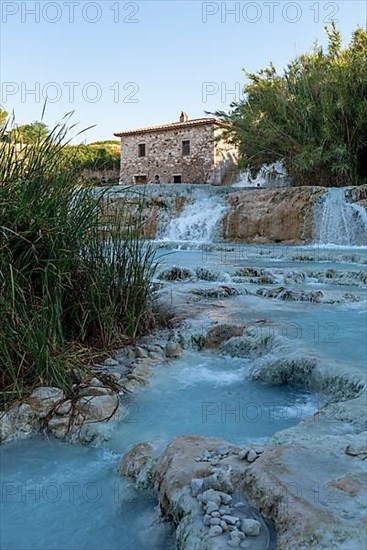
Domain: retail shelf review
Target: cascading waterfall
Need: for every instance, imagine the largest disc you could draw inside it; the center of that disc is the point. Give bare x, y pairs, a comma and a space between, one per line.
264, 177
340, 222
197, 222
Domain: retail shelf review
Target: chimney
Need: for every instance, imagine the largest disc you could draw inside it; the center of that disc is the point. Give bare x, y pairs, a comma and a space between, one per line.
184, 117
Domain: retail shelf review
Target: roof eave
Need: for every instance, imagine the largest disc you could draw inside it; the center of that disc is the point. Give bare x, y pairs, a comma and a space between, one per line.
164, 128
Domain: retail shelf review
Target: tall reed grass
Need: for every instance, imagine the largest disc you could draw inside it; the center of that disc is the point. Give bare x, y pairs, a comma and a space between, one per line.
312, 116
70, 283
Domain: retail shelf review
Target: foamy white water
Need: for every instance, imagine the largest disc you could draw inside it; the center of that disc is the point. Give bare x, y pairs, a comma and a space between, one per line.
206, 374
245, 179
262, 177
340, 222
197, 222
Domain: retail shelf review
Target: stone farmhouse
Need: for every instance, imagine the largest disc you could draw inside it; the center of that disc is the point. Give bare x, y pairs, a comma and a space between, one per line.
187, 151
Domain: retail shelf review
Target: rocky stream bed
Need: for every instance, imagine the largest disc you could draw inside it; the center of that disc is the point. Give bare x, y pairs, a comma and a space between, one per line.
243, 426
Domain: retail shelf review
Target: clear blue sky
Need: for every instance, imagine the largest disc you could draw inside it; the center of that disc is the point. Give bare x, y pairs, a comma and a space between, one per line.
132, 64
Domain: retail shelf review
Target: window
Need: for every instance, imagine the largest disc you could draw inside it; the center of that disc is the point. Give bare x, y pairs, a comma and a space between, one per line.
186, 148
141, 149
177, 179
142, 180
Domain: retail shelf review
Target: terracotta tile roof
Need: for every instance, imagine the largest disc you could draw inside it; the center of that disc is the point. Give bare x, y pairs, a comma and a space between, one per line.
169, 126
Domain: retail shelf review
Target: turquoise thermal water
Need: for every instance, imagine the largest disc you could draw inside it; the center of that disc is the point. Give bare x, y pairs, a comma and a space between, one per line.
57, 496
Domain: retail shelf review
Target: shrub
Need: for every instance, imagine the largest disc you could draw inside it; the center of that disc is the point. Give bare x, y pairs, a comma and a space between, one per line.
69, 283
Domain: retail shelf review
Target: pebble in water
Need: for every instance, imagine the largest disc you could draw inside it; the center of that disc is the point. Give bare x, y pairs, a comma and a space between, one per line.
250, 527
230, 520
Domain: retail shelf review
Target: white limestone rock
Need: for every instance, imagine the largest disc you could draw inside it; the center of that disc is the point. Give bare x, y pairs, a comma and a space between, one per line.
250, 527
44, 399
230, 520
98, 408
141, 353
58, 426
173, 349
215, 531
225, 498
196, 486
6, 427
243, 453
211, 507
251, 455
64, 408
211, 496
110, 362
94, 391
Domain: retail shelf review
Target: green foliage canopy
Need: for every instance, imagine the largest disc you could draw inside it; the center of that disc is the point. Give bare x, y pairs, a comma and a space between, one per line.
313, 117
95, 156
30, 133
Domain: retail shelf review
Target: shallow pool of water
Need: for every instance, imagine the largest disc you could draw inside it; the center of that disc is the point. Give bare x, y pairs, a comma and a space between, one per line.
66, 497
204, 394
58, 496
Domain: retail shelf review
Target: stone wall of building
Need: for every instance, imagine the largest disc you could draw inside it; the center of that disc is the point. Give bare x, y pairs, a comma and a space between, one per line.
164, 156
225, 160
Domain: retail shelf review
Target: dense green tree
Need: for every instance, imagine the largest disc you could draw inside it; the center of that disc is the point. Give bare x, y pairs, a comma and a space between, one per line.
101, 155
313, 116
31, 133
